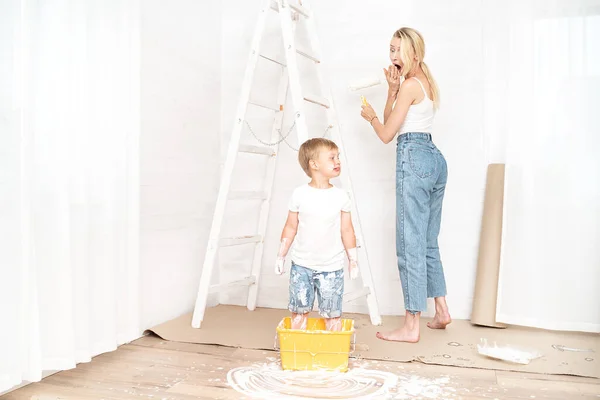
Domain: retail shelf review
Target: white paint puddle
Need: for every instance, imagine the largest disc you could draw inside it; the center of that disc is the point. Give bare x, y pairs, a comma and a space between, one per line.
271, 382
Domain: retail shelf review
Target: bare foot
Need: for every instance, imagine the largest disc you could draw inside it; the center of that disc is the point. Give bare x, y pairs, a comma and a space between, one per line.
299, 321
400, 335
442, 316
333, 324
440, 320
408, 333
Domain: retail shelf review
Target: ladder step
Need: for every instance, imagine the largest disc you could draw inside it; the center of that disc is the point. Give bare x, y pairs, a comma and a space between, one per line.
263, 106
243, 195
296, 7
300, 52
236, 241
307, 55
302, 10
250, 280
322, 101
267, 151
357, 294
282, 63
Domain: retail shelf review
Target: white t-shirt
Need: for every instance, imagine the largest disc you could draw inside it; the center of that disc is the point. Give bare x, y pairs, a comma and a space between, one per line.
318, 243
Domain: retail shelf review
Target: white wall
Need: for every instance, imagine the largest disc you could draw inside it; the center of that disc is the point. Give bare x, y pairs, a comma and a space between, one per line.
193, 61
180, 78
355, 41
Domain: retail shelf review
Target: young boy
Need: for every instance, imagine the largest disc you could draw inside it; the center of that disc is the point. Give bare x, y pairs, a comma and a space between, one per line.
319, 220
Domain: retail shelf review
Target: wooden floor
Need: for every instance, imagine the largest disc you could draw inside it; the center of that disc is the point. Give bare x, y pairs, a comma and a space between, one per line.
151, 368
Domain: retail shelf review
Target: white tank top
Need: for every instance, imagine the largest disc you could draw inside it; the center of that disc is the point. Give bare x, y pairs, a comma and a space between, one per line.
420, 116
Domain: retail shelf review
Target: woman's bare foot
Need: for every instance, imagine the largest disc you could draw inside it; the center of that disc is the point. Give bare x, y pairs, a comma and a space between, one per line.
440, 321
442, 316
400, 335
408, 333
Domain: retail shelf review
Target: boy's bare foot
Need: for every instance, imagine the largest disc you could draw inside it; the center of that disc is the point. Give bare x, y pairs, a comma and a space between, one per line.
299, 321
400, 335
440, 321
333, 324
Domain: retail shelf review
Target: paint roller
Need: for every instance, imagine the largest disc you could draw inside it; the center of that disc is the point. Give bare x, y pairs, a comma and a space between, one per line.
363, 84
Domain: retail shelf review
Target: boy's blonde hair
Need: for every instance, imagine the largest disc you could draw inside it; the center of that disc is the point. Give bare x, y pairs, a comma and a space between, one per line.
310, 151
413, 46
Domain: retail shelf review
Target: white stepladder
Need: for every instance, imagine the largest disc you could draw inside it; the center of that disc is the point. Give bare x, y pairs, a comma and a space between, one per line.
289, 14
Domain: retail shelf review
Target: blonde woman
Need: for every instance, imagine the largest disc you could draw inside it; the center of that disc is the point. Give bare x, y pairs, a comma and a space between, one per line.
421, 174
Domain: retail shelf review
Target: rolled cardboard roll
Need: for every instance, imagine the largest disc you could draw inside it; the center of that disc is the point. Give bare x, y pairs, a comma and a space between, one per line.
488, 261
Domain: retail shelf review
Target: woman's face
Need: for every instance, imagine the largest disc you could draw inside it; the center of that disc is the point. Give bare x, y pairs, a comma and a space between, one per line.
395, 52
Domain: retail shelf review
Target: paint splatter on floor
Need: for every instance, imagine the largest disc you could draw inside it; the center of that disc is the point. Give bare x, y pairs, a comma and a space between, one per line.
416, 387
269, 381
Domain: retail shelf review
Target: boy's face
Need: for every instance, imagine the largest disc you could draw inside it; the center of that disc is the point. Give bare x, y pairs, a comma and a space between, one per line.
328, 163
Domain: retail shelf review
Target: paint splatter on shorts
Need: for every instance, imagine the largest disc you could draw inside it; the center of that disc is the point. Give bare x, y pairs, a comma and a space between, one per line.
328, 286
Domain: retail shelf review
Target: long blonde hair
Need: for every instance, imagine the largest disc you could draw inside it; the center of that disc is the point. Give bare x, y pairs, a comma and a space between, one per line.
413, 46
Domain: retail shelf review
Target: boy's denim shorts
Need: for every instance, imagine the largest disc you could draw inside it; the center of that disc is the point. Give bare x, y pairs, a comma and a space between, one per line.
329, 287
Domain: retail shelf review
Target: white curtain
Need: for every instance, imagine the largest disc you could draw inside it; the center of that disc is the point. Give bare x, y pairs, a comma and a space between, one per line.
542, 69
69, 143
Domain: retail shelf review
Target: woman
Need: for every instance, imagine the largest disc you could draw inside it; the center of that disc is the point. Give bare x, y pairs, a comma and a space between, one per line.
421, 174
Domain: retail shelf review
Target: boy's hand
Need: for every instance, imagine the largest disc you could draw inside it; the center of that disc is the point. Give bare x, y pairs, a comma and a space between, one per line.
279, 265
283, 249
353, 269
353, 263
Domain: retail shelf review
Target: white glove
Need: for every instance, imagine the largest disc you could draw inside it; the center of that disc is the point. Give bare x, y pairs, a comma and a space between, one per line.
353, 263
283, 249
279, 264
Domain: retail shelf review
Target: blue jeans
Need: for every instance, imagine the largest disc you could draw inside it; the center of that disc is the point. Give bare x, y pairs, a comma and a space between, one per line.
329, 288
421, 174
